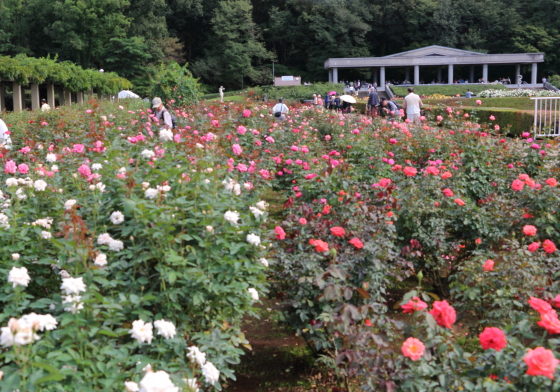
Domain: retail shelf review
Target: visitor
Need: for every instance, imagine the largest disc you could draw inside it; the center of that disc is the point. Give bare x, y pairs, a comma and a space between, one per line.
280, 110
336, 102
468, 94
221, 91
373, 102
162, 115
327, 101
375, 86
5, 139
44, 105
412, 104
315, 99
319, 101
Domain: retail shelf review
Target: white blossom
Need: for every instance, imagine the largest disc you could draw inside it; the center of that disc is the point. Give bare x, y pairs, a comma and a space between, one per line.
200, 146
51, 158
253, 239
192, 384
21, 194
19, 277
157, 382
210, 373
142, 332
54, 168
257, 212
74, 300
96, 166
165, 135
232, 217
209, 229
195, 355
165, 328
264, 261
100, 186
68, 204
15, 256
100, 260
117, 217
148, 154
4, 221
104, 239
11, 182
44, 222
40, 185
46, 235
254, 293
145, 185
151, 193
64, 274
116, 245
131, 386
73, 285
261, 205
40, 322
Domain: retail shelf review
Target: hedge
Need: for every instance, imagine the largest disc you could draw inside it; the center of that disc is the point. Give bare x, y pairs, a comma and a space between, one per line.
295, 93
450, 90
25, 70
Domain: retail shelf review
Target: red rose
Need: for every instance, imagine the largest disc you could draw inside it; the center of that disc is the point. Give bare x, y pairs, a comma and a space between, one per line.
327, 209
549, 246
534, 246
446, 175
357, 243
517, 185
302, 221
539, 305
552, 182
443, 313
488, 266
557, 301
409, 171
320, 246
529, 230
492, 338
550, 322
447, 192
280, 233
384, 182
338, 231
459, 202
414, 305
541, 362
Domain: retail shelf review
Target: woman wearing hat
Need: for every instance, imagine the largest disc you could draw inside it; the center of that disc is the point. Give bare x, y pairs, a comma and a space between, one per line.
161, 113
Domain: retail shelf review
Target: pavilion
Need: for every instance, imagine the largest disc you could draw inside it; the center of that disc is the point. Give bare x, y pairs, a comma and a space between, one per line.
436, 56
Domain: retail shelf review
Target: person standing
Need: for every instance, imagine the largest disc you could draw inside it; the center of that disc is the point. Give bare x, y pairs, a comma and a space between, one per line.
5, 139
468, 94
44, 105
221, 90
373, 102
280, 110
315, 99
319, 101
327, 101
162, 115
412, 104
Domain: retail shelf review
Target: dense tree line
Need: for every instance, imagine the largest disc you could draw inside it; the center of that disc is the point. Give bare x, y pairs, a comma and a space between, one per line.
231, 42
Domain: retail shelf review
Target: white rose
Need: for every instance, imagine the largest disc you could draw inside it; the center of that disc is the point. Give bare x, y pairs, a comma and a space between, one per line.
100, 260
51, 158
11, 182
19, 277
40, 185
261, 205
46, 235
15, 256
254, 294
96, 166
165, 328
131, 386
165, 135
210, 373
195, 355
117, 217
148, 154
264, 262
116, 245
73, 285
104, 239
142, 332
253, 239
257, 212
68, 204
232, 217
151, 193
157, 382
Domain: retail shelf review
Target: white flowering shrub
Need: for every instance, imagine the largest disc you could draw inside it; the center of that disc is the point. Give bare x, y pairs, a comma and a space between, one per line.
517, 93
121, 247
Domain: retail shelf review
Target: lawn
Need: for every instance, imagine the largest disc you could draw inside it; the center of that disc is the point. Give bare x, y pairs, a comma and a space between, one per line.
523, 103
234, 98
449, 90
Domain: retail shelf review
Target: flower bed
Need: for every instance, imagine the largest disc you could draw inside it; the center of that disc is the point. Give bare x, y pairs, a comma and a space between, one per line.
517, 93
122, 228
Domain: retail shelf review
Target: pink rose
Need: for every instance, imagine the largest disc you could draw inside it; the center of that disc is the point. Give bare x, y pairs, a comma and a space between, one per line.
413, 348
492, 338
414, 305
280, 233
443, 313
529, 230
541, 362
488, 265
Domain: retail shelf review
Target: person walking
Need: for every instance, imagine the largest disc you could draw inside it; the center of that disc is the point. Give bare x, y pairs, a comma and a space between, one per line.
412, 104
280, 110
44, 105
162, 115
373, 102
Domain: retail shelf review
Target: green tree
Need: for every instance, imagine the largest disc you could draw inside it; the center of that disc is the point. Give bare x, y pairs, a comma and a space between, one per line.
173, 82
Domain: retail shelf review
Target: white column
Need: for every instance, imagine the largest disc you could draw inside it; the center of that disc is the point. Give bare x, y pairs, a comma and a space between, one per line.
407, 73
80, 98
35, 104
416, 74
439, 74
2, 101
471, 79
375, 76
51, 96
534, 73
382, 77
335, 75
330, 75
485, 73
67, 97
517, 72
17, 97
450, 74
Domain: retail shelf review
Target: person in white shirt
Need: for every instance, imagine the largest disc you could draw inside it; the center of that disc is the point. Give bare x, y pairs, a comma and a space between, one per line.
411, 105
280, 110
44, 105
162, 114
5, 139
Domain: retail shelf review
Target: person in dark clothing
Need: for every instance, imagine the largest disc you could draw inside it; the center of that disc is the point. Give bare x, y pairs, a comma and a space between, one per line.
388, 108
373, 102
327, 101
336, 103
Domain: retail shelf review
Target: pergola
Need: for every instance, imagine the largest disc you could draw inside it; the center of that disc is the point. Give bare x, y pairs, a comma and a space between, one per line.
435, 56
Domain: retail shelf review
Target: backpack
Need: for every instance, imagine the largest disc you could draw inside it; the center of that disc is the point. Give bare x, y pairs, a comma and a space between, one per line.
173, 119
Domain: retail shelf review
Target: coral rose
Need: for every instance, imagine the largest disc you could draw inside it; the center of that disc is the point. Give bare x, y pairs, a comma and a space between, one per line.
409, 171
384, 182
413, 348
541, 362
443, 313
280, 233
492, 338
320, 246
302, 221
549, 246
459, 201
517, 185
357, 243
534, 246
550, 322
539, 305
447, 192
552, 182
338, 231
529, 230
446, 175
414, 305
488, 265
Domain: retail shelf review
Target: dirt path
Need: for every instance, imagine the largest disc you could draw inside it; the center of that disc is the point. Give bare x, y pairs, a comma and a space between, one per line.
279, 360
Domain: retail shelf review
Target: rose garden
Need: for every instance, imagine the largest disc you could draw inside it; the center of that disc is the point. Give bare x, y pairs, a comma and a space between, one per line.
131, 257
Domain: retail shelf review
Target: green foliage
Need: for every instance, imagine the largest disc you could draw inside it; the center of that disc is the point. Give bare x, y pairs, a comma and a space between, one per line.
296, 93
173, 82
523, 103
